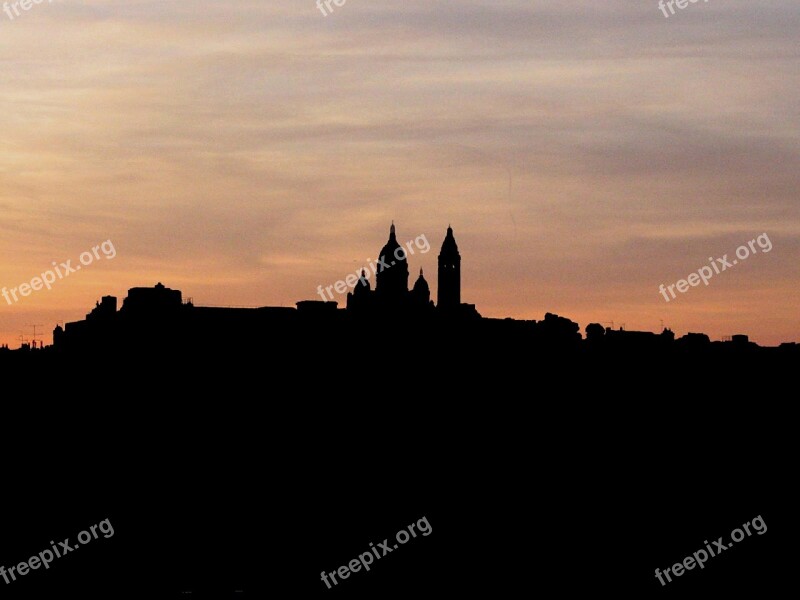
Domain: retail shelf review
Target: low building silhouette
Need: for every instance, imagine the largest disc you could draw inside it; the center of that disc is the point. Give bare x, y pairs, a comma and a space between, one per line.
159, 319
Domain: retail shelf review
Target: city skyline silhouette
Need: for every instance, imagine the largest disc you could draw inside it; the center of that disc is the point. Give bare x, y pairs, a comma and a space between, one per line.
384, 299
391, 299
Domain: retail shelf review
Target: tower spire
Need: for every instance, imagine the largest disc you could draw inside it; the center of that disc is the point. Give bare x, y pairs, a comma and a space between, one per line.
449, 292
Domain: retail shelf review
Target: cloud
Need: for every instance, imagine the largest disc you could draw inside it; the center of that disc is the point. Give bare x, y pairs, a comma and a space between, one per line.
251, 150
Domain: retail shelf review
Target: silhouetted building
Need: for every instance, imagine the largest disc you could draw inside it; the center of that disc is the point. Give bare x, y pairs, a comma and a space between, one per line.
360, 300
158, 299
694, 341
391, 287
58, 337
392, 297
103, 310
449, 292
421, 292
158, 318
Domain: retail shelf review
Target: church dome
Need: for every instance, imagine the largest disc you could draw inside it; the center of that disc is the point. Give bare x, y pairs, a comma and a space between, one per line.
388, 251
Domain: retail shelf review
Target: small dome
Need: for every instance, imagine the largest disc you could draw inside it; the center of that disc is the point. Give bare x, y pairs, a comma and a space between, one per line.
421, 285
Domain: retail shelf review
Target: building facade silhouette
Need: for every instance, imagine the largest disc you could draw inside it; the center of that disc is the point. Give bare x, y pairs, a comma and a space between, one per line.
449, 291
159, 317
392, 296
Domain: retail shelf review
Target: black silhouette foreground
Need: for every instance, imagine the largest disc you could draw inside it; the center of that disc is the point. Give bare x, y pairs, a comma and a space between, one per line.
240, 452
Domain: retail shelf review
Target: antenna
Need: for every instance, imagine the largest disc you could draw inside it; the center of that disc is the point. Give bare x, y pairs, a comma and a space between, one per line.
36, 335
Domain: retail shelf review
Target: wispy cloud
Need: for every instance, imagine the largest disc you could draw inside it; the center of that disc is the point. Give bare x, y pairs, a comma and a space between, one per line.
247, 151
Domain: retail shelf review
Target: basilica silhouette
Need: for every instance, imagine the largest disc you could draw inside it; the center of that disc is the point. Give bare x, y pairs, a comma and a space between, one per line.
391, 294
389, 311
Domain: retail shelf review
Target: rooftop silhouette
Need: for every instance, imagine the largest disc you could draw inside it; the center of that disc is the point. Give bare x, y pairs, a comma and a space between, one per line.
390, 307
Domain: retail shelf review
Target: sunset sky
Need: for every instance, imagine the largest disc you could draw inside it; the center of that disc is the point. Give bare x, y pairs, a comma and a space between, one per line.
246, 152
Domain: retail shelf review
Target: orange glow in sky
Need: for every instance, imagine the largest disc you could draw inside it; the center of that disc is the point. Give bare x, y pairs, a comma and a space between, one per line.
247, 152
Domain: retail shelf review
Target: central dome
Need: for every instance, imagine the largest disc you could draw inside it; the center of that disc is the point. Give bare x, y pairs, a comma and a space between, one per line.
388, 251
392, 272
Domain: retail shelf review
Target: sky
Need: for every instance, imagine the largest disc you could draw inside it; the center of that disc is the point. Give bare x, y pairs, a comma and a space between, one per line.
247, 152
